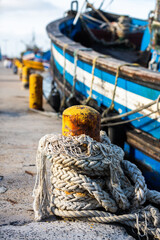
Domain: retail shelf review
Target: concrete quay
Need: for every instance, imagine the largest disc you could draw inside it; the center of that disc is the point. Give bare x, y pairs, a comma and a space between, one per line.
20, 131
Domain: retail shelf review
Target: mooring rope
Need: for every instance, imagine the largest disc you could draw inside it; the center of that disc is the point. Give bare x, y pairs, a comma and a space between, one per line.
92, 80
75, 54
64, 67
64, 78
134, 111
111, 107
108, 121
87, 176
93, 76
128, 121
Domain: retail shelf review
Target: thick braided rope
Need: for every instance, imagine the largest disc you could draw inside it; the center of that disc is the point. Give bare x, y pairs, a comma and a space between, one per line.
89, 175
135, 174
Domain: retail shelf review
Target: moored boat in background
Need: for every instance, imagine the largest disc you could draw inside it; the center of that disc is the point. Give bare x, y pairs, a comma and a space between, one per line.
111, 62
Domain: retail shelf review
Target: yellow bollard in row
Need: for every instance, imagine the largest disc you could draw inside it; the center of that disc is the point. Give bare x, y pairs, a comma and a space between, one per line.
81, 119
20, 66
25, 76
35, 91
34, 65
17, 63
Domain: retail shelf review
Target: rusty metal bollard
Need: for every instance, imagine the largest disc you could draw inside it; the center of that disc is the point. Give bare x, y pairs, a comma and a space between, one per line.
35, 91
81, 119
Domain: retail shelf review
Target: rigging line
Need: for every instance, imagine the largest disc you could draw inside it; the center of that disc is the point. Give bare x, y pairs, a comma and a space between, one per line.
88, 17
93, 68
111, 107
75, 54
128, 121
64, 79
75, 71
94, 1
92, 80
133, 111
99, 13
64, 66
79, 13
108, 4
101, 4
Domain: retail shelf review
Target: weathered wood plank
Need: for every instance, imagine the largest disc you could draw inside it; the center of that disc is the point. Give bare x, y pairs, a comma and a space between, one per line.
147, 144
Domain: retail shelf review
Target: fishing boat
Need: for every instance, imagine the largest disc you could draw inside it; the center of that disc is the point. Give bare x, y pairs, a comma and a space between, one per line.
112, 63
38, 58
33, 57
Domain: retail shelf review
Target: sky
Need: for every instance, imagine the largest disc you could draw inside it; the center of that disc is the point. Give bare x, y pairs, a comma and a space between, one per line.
19, 19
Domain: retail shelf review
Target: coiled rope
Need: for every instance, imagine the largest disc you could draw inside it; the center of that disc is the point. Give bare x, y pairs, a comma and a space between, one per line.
91, 180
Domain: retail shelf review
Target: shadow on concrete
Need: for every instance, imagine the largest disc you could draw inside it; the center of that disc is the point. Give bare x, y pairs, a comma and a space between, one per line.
10, 113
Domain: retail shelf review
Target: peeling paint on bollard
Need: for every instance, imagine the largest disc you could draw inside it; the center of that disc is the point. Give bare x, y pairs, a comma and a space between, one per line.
35, 91
81, 119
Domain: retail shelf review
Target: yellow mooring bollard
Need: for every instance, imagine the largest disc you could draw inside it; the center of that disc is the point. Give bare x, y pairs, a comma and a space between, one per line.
81, 119
20, 66
35, 91
25, 76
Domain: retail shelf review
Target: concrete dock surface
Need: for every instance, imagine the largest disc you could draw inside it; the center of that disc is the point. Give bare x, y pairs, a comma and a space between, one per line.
20, 131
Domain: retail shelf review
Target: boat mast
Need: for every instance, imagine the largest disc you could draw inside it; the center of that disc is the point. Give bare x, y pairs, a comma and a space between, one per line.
157, 11
79, 13
155, 26
101, 4
155, 38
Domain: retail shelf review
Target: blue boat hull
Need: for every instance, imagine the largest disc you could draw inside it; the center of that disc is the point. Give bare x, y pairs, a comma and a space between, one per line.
150, 167
136, 87
144, 152
130, 91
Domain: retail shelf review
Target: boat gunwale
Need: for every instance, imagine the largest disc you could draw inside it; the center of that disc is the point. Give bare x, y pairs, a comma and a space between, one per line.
139, 75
